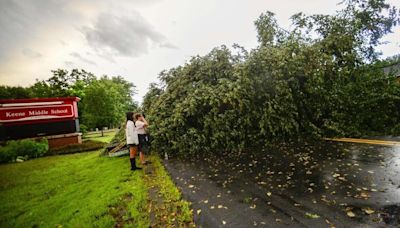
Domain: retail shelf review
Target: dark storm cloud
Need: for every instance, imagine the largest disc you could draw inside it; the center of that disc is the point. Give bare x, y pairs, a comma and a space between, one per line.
81, 58
129, 35
31, 54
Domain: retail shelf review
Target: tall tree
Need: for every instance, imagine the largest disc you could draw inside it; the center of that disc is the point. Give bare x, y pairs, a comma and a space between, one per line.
105, 102
14, 92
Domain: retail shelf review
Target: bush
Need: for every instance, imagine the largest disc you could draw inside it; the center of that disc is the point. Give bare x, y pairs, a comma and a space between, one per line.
77, 147
25, 148
6, 154
84, 128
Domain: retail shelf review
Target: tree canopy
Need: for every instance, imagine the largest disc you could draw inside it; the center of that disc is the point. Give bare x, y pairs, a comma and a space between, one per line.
103, 101
106, 101
318, 79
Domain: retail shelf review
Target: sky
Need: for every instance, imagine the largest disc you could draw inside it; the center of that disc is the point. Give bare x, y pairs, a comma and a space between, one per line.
136, 39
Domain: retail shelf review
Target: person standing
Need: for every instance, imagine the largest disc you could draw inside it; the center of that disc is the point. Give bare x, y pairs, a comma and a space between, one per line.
141, 124
132, 140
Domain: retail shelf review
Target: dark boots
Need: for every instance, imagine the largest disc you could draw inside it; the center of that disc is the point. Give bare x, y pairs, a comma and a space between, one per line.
133, 164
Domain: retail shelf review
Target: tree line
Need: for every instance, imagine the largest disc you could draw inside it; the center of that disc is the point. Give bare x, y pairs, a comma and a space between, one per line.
321, 78
103, 102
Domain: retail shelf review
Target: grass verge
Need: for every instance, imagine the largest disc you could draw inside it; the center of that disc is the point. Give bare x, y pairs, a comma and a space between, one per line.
166, 206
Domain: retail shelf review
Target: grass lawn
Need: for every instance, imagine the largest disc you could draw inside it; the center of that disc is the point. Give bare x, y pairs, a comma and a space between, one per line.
70, 190
97, 136
85, 190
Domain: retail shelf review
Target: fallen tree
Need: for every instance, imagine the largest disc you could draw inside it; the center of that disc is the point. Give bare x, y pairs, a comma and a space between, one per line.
315, 80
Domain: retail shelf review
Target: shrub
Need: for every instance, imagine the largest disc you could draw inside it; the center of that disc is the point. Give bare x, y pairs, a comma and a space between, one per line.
88, 145
26, 148
7, 155
84, 128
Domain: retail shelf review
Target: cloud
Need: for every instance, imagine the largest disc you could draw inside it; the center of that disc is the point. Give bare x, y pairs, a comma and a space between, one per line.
63, 43
168, 45
107, 57
20, 22
31, 54
128, 35
69, 63
81, 58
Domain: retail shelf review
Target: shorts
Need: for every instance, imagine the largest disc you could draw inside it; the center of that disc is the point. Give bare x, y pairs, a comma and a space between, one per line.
143, 139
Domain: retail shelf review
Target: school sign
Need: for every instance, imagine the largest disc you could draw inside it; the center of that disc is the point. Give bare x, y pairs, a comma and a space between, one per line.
53, 118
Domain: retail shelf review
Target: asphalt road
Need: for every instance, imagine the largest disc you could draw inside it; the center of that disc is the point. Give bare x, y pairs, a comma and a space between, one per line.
324, 184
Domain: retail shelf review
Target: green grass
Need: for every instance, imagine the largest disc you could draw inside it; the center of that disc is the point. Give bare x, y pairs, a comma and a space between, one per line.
174, 211
79, 190
86, 190
96, 136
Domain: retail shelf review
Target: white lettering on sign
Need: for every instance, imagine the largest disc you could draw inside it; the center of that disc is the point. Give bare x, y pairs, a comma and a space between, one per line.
15, 114
59, 111
38, 112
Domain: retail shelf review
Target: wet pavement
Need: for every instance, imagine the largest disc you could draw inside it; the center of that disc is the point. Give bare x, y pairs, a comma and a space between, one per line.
325, 184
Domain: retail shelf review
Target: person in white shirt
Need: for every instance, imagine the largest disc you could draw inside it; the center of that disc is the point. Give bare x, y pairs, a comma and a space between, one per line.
141, 124
132, 139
